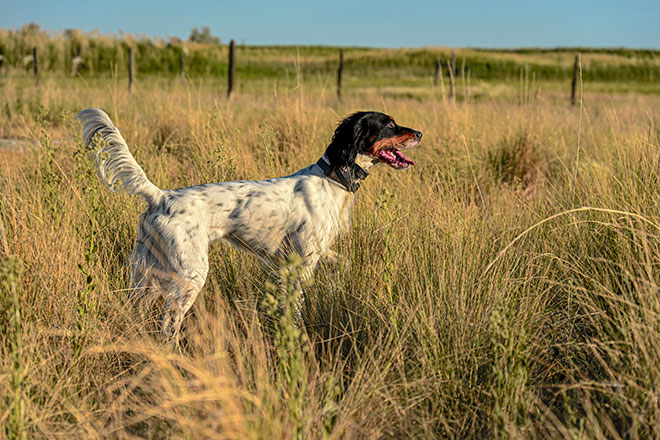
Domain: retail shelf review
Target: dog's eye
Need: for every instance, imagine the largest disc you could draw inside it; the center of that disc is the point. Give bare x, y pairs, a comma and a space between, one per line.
390, 124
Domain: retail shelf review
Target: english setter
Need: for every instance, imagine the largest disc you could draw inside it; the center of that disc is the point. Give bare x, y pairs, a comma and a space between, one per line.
301, 213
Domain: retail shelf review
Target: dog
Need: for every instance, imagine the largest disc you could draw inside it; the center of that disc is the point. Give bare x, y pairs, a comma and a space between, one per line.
302, 213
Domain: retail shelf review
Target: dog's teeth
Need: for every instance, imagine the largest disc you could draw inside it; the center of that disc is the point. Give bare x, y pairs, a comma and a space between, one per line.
386, 155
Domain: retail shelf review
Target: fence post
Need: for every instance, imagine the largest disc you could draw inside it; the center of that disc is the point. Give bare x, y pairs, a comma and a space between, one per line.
467, 89
35, 66
339, 72
181, 63
131, 69
230, 75
76, 62
463, 78
438, 70
526, 83
442, 79
451, 81
576, 72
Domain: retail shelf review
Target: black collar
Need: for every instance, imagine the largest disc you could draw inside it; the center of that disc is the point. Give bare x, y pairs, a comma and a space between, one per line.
347, 175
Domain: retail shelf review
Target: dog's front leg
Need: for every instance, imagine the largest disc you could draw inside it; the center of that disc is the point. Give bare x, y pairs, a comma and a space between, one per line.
290, 280
306, 273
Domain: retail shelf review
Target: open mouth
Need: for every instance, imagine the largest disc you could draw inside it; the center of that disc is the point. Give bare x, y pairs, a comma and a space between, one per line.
395, 158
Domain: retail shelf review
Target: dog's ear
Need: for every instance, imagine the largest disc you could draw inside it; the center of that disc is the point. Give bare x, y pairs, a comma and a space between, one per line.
349, 139
360, 133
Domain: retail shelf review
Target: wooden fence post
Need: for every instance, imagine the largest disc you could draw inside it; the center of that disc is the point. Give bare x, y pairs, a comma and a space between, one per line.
576, 72
463, 78
131, 69
438, 71
467, 89
339, 71
181, 63
524, 85
442, 80
230, 74
76, 62
35, 66
452, 95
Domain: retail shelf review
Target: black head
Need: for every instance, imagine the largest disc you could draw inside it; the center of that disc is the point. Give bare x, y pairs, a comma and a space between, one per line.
374, 135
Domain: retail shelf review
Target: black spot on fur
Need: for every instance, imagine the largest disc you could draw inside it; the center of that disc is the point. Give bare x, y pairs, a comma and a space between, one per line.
235, 214
300, 187
301, 226
219, 205
237, 211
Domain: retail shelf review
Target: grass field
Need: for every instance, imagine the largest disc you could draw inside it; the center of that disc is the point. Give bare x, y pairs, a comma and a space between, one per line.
507, 286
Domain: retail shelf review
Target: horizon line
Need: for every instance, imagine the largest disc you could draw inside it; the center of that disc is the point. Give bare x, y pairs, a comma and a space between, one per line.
241, 42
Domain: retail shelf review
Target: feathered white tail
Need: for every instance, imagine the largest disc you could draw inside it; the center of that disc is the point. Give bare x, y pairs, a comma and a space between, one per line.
117, 167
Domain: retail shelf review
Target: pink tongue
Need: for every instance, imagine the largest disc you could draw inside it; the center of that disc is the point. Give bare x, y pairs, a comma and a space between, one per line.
402, 157
395, 157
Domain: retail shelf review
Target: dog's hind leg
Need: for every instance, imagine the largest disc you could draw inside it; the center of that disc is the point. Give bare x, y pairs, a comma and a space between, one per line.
181, 293
177, 260
141, 285
147, 273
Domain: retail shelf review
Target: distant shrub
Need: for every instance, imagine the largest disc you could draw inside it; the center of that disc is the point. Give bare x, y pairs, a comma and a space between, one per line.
203, 36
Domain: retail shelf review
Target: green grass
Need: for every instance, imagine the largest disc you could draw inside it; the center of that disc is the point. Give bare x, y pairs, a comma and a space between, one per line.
107, 56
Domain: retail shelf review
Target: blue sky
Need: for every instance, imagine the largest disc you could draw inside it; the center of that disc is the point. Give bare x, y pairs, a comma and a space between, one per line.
382, 23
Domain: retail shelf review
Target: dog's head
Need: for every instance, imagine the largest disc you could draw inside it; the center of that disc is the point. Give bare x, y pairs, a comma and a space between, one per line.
374, 136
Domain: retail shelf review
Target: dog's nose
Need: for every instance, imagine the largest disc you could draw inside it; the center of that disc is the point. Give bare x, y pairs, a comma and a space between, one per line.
418, 134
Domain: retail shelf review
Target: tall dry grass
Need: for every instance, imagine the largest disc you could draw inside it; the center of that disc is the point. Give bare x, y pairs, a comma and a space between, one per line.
505, 287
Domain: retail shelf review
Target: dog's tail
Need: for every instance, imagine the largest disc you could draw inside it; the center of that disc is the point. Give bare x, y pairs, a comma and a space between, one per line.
117, 167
